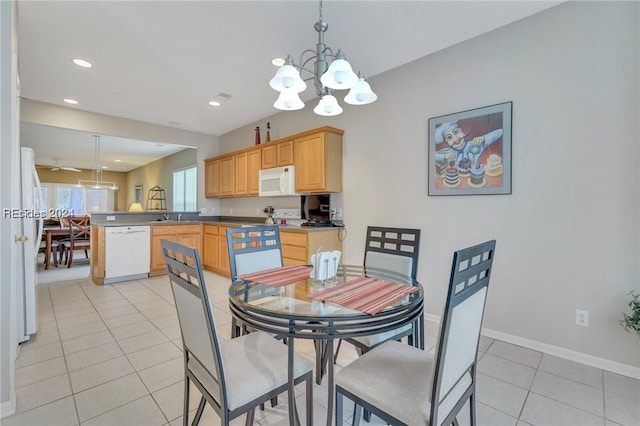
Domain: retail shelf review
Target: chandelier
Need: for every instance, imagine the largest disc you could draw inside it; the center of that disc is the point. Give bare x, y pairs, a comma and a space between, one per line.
326, 78
96, 174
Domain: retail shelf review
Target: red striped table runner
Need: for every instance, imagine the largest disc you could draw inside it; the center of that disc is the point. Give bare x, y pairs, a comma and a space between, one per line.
370, 295
278, 277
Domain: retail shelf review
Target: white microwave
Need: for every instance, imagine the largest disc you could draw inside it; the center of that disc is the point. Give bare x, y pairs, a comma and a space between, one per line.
277, 182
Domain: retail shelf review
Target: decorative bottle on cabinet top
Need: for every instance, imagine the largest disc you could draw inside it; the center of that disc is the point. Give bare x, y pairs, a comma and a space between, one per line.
257, 135
268, 138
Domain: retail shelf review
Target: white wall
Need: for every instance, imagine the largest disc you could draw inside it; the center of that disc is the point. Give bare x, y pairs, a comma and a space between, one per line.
9, 197
568, 237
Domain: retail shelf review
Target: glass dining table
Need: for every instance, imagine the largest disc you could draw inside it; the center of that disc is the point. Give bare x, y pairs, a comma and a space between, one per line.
288, 311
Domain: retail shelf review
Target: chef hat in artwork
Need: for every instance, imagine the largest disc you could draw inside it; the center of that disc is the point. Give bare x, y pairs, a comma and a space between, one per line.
442, 129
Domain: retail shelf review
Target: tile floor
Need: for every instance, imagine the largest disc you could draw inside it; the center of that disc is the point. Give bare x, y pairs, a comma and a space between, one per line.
111, 355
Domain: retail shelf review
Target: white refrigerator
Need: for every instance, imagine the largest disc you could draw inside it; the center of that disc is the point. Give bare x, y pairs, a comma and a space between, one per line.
31, 222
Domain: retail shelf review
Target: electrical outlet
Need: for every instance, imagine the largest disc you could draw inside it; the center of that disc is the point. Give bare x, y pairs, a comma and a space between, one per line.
111, 218
582, 318
338, 214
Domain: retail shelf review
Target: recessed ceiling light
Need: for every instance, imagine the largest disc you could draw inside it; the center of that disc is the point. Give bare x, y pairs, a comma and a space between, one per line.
214, 103
71, 101
82, 63
278, 62
219, 99
117, 161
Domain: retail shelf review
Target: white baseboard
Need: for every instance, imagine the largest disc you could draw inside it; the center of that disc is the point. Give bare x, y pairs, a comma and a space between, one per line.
571, 355
8, 407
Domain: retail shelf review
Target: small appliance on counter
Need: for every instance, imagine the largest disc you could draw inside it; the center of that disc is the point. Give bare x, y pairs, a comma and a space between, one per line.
269, 211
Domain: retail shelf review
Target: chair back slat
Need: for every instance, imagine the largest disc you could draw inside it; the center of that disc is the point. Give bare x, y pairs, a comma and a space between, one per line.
393, 249
197, 324
253, 249
78, 228
456, 357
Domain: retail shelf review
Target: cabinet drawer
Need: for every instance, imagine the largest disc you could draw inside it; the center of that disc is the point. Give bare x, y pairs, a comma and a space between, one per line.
188, 229
294, 238
163, 230
210, 229
294, 252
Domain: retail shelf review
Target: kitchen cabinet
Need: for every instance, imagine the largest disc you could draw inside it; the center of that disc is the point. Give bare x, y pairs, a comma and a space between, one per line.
318, 161
212, 178
227, 176
254, 164
240, 173
187, 234
298, 246
316, 154
97, 255
215, 257
277, 154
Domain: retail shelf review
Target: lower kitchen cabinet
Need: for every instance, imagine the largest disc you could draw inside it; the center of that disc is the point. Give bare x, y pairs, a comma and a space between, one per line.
97, 254
298, 246
215, 255
188, 234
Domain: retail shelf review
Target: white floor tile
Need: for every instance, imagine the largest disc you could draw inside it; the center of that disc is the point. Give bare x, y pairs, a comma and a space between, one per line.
500, 395
86, 342
572, 370
98, 374
621, 384
60, 413
83, 329
515, 353
507, 371
154, 355
101, 399
37, 354
143, 411
137, 343
93, 356
132, 330
35, 373
624, 410
164, 374
572, 393
539, 410
42, 392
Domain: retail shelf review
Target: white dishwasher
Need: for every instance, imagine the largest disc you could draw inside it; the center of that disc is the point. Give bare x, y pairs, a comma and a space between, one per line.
127, 253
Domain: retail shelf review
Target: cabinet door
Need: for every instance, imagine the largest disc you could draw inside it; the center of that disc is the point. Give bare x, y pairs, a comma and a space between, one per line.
270, 156
212, 178
157, 257
223, 252
285, 153
227, 177
310, 159
254, 162
240, 170
210, 249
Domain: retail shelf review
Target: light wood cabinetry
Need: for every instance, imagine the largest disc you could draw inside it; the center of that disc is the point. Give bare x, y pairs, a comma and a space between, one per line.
318, 161
277, 154
297, 246
212, 178
316, 155
97, 257
215, 254
188, 234
240, 172
254, 164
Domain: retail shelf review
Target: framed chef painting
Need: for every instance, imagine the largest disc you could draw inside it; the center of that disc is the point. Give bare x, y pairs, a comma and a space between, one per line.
470, 152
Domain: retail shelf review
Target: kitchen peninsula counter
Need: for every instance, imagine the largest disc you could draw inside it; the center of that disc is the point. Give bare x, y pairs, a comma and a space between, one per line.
209, 237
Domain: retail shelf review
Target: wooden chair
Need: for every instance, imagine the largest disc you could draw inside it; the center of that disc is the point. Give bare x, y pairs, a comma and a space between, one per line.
427, 389
79, 237
233, 376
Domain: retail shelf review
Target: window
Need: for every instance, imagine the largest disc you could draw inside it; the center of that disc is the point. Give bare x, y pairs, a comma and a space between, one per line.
78, 200
185, 189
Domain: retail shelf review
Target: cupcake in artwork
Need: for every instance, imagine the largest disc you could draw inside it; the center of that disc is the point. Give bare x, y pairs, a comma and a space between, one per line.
476, 178
464, 166
494, 165
452, 176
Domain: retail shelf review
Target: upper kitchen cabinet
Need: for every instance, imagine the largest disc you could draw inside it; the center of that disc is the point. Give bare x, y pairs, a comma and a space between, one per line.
318, 160
212, 178
277, 154
316, 155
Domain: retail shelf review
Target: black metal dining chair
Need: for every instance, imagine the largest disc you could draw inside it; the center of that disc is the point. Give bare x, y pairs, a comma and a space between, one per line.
386, 250
234, 376
404, 385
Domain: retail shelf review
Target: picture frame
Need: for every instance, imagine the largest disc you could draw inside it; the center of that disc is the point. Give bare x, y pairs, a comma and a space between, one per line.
470, 152
138, 194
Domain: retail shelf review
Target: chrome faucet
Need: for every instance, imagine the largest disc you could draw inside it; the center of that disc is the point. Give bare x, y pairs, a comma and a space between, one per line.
179, 216
166, 216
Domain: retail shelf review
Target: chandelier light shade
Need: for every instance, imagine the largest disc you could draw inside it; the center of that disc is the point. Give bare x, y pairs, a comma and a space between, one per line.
328, 106
330, 72
360, 93
289, 101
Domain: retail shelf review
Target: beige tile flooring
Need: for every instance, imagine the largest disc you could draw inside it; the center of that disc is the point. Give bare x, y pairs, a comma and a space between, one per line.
110, 355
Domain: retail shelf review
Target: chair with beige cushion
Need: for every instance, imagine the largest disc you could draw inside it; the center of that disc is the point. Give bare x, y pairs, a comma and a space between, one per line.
404, 385
233, 376
387, 250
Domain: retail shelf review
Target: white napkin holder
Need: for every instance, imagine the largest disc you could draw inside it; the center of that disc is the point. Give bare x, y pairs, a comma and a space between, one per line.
325, 264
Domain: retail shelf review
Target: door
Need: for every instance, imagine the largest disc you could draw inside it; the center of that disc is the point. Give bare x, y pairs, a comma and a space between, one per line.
254, 162
212, 178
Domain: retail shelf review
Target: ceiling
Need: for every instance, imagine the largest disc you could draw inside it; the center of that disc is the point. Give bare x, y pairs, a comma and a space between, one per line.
161, 62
